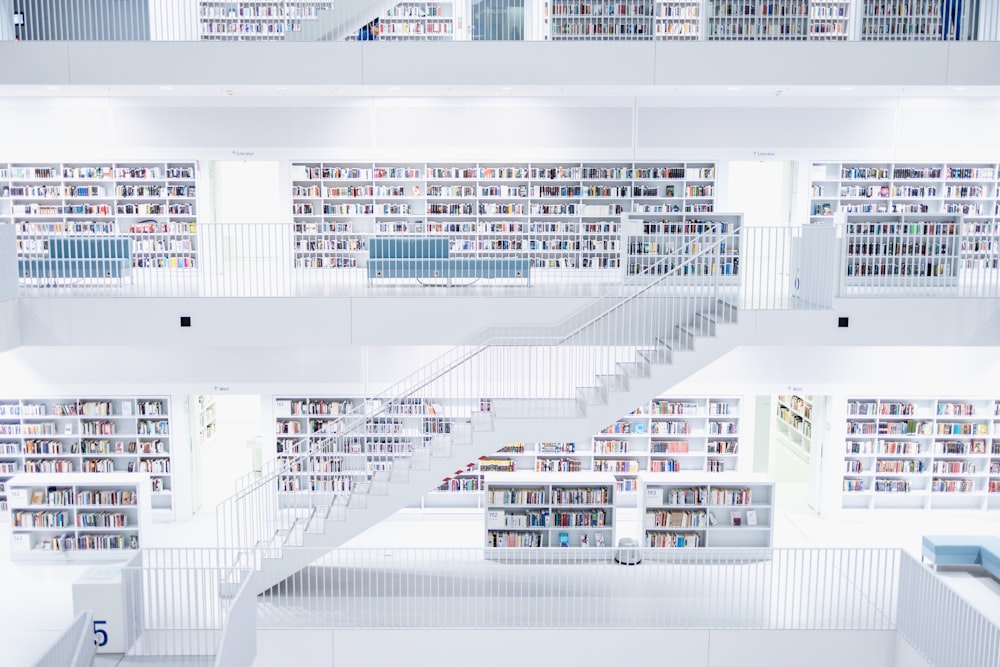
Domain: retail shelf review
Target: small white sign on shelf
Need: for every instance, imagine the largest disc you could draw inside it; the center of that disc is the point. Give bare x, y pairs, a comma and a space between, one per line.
654, 496
495, 519
751, 517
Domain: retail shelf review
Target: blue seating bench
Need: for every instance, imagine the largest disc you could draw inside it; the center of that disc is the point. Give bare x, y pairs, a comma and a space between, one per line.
983, 550
81, 257
428, 258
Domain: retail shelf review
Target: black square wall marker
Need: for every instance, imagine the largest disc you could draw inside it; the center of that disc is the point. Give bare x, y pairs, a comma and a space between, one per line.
186, 321
841, 322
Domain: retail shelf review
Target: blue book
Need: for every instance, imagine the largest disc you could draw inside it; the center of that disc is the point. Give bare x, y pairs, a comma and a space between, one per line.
564, 539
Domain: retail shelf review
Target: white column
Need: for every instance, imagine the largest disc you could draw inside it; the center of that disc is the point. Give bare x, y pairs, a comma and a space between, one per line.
6, 20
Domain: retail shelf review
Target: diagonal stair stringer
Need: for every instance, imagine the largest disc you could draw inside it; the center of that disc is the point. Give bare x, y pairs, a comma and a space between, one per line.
655, 370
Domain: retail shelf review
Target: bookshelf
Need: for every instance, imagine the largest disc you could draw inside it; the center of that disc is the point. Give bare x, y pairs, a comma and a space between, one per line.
669, 434
694, 511
206, 418
536, 510
92, 436
255, 20
967, 189
152, 203
678, 19
77, 516
927, 453
654, 236
779, 19
894, 20
424, 21
793, 419
558, 215
606, 19
902, 252
309, 423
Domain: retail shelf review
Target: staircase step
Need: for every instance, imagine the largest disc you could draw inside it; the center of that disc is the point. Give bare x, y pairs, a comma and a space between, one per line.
704, 325
615, 382
633, 369
725, 312
682, 338
656, 356
592, 395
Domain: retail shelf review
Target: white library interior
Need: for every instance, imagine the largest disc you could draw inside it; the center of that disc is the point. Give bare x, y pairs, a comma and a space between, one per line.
869, 424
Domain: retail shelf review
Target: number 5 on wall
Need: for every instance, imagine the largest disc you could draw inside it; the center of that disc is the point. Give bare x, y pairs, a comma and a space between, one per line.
100, 634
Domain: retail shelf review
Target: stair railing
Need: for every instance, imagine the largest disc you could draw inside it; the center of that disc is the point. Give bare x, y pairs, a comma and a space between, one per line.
643, 312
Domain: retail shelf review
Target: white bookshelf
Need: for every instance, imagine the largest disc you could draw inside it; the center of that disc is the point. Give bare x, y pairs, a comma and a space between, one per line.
894, 20
255, 20
793, 422
93, 436
691, 510
603, 19
678, 19
335, 466
207, 424
77, 516
152, 203
901, 252
423, 21
549, 510
967, 189
926, 453
557, 215
655, 236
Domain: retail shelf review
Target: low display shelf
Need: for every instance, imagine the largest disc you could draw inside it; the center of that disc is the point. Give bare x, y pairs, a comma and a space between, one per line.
537, 510
692, 511
926, 453
901, 252
90, 435
692, 247
77, 516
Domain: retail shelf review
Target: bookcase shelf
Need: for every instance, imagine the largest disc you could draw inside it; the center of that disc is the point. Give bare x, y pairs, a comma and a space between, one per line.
654, 236
207, 424
77, 516
793, 419
691, 511
604, 19
422, 21
916, 20
255, 20
964, 189
152, 203
557, 215
554, 510
334, 468
902, 252
93, 436
925, 453
779, 19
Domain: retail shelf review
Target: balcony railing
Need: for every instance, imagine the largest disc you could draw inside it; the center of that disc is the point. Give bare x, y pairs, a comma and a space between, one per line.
449, 20
766, 267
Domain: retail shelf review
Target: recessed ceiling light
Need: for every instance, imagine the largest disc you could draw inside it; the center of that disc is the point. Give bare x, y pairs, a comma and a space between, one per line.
506, 88
960, 88
51, 87
281, 87
847, 87
166, 87
733, 88
393, 87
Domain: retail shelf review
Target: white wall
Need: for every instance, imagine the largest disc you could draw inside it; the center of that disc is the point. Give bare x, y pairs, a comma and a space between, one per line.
693, 648
10, 329
879, 127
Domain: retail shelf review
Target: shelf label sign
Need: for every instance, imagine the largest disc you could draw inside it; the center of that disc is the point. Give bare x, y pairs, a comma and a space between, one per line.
100, 634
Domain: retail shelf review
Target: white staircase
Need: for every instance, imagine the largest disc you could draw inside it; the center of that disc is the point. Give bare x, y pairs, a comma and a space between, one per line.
560, 383
613, 395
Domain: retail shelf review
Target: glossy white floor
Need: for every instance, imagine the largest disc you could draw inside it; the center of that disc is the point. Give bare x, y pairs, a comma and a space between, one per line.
37, 597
